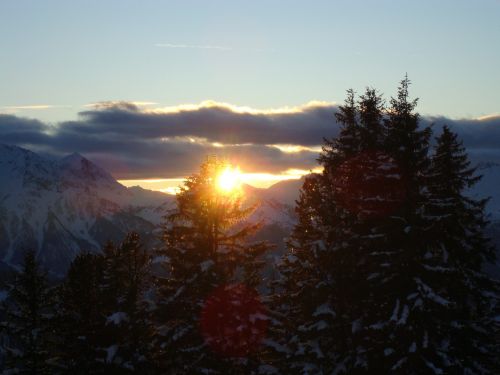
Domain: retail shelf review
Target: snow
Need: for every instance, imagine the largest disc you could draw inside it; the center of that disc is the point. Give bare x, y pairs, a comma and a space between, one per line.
62, 205
160, 259
434, 368
429, 293
395, 311
117, 318
340, 368
317, 350
324, 309
413, 347
60, 200
276, 346
204, 266
257, 316
356, 326
404, 315
3, 295
111, 352
268, 370
399, 363
425, 341
318, 326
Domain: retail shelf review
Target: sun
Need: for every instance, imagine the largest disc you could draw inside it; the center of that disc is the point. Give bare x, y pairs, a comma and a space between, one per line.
229, 180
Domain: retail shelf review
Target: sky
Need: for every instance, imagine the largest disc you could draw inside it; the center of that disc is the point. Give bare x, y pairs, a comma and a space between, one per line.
256, 79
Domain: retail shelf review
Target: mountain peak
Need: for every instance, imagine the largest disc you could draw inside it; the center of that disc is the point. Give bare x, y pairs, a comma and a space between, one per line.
74, 155
73, 159
77, 167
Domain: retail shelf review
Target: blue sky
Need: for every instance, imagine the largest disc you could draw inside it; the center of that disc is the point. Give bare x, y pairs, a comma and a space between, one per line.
264, 54
254, 81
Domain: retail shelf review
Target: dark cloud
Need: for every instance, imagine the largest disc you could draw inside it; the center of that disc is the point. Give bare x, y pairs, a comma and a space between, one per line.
180, 158
213, 122
135, 143
479, 133
22, 131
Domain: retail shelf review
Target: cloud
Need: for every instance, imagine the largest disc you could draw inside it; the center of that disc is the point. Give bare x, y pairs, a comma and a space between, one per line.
191, 46
33, 107
119, 104
136, 141
212, 121
18, 130
478, 135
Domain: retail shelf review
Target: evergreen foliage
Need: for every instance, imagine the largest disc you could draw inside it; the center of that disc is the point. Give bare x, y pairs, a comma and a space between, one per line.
104, 321
28, 320
81, 317
384, 270
204, 249
125, 286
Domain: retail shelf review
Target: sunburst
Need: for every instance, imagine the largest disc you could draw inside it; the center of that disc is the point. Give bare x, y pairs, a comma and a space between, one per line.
229, 180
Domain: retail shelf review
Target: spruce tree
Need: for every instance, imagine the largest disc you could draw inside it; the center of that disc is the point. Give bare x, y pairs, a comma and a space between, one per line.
367, 285
81, 317
456, 261
206, 256
126, 280
28, 322
408, 299
323, 291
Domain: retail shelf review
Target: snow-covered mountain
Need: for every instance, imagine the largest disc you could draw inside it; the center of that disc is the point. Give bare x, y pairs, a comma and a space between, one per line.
62, 207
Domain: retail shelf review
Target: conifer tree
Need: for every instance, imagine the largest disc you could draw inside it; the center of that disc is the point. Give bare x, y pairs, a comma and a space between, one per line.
320, 293
456, 263
81, 317
126, 279
28, 320
206, 254
365, 282
405, 296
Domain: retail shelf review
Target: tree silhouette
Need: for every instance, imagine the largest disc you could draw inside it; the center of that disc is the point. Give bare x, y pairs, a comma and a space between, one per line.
207, 259
28, 320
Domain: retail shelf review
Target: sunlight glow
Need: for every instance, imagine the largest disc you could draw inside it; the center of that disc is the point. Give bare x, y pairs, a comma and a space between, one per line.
290, 149
258, 180
240, 109
229, 179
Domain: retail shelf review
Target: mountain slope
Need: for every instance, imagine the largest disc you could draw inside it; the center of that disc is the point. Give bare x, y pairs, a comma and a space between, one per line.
61, 207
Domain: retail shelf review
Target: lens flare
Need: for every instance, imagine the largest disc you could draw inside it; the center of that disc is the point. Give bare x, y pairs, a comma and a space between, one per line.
234, 321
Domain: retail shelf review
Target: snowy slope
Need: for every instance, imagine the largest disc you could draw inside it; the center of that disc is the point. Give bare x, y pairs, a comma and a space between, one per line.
61, 207
271, 209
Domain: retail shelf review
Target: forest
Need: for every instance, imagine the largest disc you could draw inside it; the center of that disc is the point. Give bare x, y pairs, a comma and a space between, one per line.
383, 273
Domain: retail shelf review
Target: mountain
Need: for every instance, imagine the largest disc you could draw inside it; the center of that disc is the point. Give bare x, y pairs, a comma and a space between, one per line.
61, 207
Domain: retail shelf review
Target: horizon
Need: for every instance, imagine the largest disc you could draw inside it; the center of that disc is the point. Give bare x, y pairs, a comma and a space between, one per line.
149, 89
256, 187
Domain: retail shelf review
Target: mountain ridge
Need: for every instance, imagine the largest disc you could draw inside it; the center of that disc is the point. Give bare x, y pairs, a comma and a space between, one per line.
60, 207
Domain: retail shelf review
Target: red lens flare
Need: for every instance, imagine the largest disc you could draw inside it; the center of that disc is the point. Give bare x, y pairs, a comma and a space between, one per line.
233, 321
